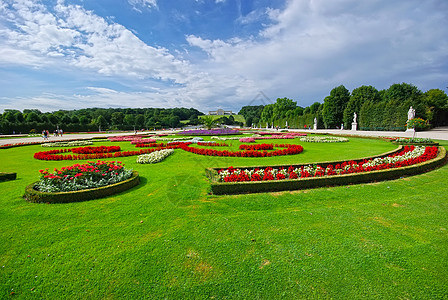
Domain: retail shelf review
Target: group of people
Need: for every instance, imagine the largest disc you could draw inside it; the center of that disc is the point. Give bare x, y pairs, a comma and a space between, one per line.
46, 133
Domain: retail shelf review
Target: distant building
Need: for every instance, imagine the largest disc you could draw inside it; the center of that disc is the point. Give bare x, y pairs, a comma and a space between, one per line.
220, 112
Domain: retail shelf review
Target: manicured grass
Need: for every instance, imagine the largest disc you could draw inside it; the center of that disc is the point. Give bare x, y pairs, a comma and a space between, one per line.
237, 118
167, 238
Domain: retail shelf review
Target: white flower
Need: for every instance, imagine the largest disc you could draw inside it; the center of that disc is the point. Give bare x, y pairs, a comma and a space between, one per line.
154, 157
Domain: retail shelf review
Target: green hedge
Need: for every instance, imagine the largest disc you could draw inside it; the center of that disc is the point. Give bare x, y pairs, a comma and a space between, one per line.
7, 176
226, 188
415, 144
33, 195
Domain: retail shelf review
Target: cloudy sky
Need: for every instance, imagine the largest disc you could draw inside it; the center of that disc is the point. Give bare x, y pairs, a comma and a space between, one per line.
209, 54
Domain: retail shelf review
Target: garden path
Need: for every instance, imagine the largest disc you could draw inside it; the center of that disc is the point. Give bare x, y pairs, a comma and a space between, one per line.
440, 133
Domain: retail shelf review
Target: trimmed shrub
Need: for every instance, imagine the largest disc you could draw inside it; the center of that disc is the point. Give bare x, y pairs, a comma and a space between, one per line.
7, 176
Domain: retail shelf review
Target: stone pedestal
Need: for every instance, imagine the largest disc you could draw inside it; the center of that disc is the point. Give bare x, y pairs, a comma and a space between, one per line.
354, 126
410, 130
315, 127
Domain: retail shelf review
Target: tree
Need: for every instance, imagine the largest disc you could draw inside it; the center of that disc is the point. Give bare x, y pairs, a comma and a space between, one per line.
19, 117
209, 121
129, 119
436, 102
282, 106
267, 115
117, 118
334, 106
101, 122
358, 97
32, 117
140, 121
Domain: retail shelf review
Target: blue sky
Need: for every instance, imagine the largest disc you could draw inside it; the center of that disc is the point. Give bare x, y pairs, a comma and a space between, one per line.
209, 54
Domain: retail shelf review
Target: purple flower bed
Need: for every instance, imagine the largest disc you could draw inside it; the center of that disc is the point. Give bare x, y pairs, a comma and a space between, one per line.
210, 132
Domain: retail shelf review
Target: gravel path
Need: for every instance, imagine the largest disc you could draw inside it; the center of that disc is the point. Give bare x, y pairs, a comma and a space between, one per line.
440, 133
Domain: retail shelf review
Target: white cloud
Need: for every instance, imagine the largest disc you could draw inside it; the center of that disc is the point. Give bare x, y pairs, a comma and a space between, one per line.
317, 45
310, 47
138, 4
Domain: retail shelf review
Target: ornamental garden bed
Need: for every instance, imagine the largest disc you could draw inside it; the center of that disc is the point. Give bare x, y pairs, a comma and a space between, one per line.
81, 182
414, 141
279, 180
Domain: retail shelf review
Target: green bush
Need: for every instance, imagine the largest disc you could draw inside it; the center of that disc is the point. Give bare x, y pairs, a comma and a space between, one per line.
7, 176
33, 195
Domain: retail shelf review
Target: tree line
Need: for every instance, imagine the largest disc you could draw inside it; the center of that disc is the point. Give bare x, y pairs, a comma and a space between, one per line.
95, 119
376, 110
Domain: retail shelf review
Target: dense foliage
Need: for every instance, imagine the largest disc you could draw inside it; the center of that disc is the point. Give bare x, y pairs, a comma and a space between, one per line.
94, 119
376, 110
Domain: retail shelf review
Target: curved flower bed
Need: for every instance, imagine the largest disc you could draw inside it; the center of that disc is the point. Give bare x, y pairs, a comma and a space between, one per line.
257, 147
56, 154
323, 139
91, 150
154, 157
81, 177
247, 140
289, 150
408, 156
33, 195
404, 161
143, 141
414, 141
68, 144
210, 132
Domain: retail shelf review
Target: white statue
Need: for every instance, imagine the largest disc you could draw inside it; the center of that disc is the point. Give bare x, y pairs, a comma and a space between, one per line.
315, 121
355, 116
411, 113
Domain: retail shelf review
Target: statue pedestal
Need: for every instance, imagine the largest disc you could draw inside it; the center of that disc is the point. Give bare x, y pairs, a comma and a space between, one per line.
354, 126
315, 127
410, 130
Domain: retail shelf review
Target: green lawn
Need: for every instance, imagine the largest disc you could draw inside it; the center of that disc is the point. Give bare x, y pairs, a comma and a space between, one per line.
237, 118
167, 238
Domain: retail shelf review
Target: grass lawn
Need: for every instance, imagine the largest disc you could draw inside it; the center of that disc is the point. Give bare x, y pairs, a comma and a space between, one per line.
168, 238
237, 118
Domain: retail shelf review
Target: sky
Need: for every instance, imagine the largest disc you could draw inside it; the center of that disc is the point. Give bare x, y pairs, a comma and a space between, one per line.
211, 54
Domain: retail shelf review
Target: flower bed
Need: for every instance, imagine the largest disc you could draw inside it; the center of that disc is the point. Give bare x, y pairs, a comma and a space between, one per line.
257, 147
33, 195
154, 157
143, 141
91, 150
210, 132
126, 138
414, 141
56, 154
67, 144
247, 140
323, 139
289, 150
402, 162
81, 177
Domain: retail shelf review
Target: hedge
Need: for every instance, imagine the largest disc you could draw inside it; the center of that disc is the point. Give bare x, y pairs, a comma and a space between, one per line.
7, 176
225, 188
33, 195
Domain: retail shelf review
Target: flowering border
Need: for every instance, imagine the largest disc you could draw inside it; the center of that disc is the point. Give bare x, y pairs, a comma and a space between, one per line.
315, 182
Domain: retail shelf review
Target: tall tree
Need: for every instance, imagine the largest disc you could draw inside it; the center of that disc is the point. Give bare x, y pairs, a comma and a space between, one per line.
358, 97
334, 106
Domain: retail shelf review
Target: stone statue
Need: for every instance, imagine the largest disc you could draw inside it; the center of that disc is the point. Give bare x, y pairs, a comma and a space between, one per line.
355, 116
315, 121
411, 113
